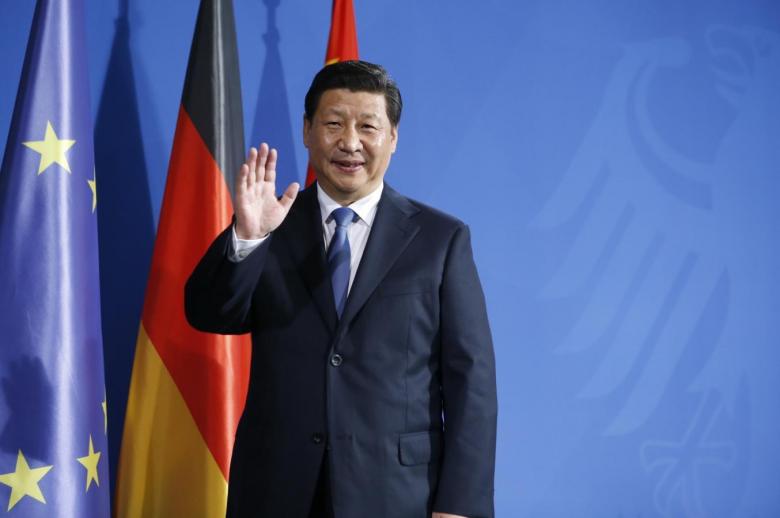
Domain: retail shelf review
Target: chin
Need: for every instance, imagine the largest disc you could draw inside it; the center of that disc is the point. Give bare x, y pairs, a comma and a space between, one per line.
348, 183
348, 189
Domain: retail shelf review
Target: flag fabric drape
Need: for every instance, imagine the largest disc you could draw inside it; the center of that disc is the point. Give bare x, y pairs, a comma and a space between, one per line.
53, 444
342, 45
188, 388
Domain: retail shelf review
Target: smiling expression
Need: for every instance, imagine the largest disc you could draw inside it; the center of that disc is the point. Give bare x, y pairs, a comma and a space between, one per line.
350, 141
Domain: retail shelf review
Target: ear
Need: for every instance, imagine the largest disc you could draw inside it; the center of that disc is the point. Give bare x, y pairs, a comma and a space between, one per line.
393, 138
306, 131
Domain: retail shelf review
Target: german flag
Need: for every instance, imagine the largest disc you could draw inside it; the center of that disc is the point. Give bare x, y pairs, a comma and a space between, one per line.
342, 45
188, 388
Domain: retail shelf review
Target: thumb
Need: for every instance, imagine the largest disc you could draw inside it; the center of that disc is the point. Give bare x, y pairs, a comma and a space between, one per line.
289, 195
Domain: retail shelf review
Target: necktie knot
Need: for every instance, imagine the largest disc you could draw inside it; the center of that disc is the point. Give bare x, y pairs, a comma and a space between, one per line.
343, 216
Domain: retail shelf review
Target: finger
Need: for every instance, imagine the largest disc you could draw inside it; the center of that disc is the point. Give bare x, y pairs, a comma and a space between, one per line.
270, 166
251, 163
252, 151
289, 196
262, 158
242, 179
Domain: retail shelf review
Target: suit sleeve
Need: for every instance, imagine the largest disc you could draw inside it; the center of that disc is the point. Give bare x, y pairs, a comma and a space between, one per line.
468, 388
218, 294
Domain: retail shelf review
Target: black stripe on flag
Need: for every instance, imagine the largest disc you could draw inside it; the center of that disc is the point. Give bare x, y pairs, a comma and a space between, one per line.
212, 88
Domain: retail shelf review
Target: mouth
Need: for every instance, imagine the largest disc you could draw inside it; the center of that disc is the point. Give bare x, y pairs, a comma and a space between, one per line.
348, 166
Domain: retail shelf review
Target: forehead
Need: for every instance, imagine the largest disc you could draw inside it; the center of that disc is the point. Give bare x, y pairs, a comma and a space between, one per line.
341, 101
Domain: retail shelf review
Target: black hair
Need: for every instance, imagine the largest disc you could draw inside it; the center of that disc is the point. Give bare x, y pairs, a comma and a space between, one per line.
355, 76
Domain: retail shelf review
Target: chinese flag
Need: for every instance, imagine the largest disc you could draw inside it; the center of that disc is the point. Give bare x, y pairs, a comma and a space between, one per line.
342, 44
188, 388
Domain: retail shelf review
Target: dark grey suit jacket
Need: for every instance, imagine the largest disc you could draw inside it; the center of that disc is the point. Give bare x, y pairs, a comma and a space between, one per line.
400, 391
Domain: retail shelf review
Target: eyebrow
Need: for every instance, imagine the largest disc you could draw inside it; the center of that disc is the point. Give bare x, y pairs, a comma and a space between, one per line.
342, 113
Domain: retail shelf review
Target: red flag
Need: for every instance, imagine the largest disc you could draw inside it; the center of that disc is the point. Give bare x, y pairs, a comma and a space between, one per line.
188, 388
342, 45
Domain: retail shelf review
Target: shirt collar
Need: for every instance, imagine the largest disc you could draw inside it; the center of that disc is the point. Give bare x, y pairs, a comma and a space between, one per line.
365, 207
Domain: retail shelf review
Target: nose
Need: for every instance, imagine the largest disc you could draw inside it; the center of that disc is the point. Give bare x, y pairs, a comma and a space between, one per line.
350, 140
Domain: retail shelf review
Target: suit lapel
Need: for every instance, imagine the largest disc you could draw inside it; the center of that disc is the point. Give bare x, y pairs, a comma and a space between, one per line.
303, 234
391, 233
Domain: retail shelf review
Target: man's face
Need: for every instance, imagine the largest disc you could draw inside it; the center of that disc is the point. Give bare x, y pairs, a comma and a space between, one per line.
350, 140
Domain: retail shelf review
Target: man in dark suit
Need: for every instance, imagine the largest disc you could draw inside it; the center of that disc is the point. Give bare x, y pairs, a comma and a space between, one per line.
372, 389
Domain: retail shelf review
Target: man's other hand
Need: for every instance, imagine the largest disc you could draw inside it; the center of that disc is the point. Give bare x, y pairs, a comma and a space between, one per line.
258, 211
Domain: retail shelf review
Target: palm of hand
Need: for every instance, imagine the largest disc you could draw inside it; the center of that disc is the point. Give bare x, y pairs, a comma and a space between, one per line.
258, 211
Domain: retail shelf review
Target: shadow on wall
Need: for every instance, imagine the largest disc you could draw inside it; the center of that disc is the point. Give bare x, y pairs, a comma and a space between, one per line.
126, 225
272, 118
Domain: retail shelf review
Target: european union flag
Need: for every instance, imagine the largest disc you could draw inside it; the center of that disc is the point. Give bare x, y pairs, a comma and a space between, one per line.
53, 447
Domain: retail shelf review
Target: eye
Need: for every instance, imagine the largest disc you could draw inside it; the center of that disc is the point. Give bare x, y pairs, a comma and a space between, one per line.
369, 127
332, 124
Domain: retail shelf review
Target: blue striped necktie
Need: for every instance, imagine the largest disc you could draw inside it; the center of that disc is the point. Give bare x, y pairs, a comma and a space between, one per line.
339, 256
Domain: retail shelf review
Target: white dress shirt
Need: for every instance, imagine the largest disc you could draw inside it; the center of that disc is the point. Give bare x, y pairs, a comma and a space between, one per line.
357, 234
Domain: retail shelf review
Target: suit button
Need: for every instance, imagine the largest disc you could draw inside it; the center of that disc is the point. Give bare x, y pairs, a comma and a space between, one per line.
317, 438
336, 360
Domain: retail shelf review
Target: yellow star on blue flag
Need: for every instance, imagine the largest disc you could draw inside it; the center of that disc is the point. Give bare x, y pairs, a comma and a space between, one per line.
23, 481
52, 149
90, 463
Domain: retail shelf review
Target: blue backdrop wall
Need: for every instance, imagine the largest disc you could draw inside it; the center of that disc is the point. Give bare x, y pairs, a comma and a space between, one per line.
618, 163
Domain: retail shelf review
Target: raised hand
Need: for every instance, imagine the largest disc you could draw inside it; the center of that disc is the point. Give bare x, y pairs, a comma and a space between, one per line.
258, 211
